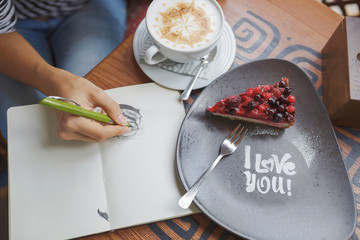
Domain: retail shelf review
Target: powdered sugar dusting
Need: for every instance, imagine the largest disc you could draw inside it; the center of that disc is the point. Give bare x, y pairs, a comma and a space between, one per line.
258, 129
308, 145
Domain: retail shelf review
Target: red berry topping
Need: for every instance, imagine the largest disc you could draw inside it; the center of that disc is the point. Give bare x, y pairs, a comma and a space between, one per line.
250, 92
239, 111
262, 107
291, 99
290, 109
255, 112
267, 95
246, 99
267, 104
251, 105
257, 90
282, 84
277, 92
233, 101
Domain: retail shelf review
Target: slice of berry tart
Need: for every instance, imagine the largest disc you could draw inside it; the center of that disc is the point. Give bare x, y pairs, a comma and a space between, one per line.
265, 104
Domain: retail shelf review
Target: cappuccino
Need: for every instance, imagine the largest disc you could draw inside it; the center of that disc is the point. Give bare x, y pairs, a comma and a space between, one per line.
185, 25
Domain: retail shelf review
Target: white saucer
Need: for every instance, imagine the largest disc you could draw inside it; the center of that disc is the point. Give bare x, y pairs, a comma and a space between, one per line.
222, 61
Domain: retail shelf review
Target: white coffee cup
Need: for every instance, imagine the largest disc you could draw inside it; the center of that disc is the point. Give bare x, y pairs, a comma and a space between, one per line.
182, 30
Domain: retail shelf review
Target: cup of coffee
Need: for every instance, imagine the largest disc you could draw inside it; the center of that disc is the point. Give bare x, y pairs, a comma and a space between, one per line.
182, 30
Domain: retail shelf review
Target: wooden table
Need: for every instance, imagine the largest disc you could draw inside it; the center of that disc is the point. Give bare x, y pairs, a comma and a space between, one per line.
295, 30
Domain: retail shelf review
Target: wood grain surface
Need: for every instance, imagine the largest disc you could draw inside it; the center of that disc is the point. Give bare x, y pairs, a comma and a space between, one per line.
296, 31
306, 23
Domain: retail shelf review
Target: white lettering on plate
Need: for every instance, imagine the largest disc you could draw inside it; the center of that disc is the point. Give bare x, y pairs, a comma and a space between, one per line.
256, 180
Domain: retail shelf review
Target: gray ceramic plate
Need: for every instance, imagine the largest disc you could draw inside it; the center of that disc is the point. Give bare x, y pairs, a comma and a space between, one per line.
292, 185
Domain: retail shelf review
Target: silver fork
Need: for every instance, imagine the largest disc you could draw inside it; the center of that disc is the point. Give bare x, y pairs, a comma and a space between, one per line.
228, 146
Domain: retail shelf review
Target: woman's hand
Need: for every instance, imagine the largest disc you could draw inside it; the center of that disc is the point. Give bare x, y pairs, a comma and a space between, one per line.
89, 96
20, 61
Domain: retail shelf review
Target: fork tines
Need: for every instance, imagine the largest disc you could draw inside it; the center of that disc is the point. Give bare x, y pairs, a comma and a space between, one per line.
234, 135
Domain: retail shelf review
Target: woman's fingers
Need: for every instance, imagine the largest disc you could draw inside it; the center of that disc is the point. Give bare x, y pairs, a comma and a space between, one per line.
89, 96
111, 107
75, 136
72, 127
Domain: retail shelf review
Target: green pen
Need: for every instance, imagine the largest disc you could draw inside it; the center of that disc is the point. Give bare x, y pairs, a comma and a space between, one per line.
56, 103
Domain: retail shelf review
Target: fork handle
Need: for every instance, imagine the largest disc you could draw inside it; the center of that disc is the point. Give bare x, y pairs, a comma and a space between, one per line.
189, 196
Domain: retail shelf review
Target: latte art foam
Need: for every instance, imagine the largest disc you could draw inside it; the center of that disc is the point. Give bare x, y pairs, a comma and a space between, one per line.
184, 24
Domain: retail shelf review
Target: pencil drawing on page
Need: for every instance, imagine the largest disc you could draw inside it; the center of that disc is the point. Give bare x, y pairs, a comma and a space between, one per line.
104, 215
133, 116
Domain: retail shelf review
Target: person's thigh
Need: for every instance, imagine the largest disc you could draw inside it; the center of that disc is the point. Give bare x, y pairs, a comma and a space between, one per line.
86, 37
14, 93
36, 33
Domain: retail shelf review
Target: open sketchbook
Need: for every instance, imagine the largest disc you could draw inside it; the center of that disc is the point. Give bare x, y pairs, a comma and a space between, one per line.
65, 189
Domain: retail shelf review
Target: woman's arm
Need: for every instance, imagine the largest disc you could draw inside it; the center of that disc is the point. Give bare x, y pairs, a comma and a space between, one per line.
20, 61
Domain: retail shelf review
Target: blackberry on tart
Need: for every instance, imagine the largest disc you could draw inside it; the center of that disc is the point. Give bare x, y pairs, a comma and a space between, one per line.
264, 104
